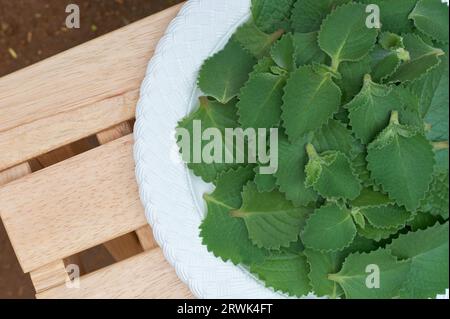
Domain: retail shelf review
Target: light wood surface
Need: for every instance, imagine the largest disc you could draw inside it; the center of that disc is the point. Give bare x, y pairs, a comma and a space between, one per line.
75, 202
144, 276
76, 93
84, 201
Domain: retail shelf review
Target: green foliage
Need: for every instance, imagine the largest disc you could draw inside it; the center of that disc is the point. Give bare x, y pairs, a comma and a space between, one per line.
362, 177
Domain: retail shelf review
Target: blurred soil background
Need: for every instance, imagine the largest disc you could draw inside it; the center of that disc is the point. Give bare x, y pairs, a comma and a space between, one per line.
30, 31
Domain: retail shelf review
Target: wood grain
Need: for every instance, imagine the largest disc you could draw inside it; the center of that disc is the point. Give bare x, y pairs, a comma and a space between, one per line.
14, 173
147, 275
49, 276
74, 205
76, 93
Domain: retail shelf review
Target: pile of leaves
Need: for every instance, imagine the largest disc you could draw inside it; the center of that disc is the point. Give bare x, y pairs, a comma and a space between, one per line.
362, 182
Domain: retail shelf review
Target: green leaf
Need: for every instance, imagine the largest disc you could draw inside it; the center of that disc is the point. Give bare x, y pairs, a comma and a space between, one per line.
283, 52
272, 221
423, 58
260, 101
264, 182
285, 272
307, 50
310, 100
371, 198
431, 17
436, 201
423, 221
394, 14
254, 40
353, 77
390, 41
428, 252
329, 228
384, 63
370, 110
210, 114
307, 15
291, 176
223, 235
334, 136
349, 41
389, 216
377, 234
331, 175
355, 275
321, 265
402, 161
272, 15
223, 74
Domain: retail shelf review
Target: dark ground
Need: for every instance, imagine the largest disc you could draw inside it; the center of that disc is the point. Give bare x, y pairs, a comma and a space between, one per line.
32, 30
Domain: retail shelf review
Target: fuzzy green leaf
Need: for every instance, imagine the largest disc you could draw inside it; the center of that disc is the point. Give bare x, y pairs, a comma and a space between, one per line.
423, 58
285, 272
272, 221
283, 52
431, 17
307, 15
377, 234
310, 100
349, 41
260, 101
385, 217
437, 199
428, 252
307, 50
384, 63
210, 114
264, 182
254, 40
352, 74
370, 110
329, 228
354, 276
410, 160
223, 235
423, 221
223, 75
331, 175
291, 176
371, 198
272, 15
334, 136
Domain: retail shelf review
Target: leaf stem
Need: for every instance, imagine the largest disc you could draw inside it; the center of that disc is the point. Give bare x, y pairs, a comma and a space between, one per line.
394, 118
237, 213
442, 145
311, 151
334, 277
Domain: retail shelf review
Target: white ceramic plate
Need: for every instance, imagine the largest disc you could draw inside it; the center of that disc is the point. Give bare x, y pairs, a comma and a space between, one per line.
171, 195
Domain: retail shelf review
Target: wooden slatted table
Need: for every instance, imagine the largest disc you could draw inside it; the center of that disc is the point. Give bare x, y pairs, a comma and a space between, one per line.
67, 178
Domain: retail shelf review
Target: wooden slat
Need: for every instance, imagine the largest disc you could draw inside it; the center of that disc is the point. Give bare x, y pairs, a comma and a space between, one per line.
147, 275
74, 205
76, 93
14, 173
145, 236
49, 276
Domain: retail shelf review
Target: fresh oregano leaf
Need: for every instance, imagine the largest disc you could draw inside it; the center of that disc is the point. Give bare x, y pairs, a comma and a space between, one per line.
335, 136
233, 64
349, 41
291, 176
254, 40
307, 15
310, 100
272, 221
260, 101
423, 221
286, 272
428, 252
331, 174
431, 17
352, 74
423, 58
385, 217
354, 276
436, 201
272, 15
384, 63
283, 52
402, 161
370, 110
227, 237
307, 50
264, 182
329, 228
210, 114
